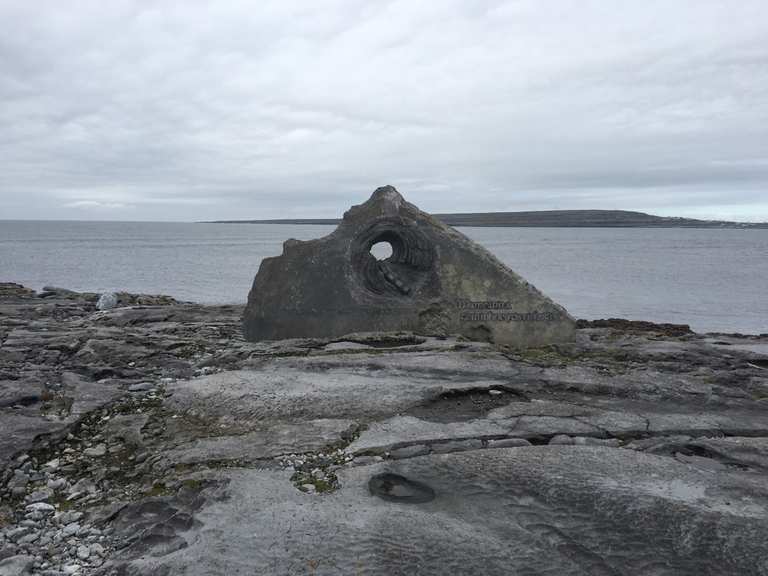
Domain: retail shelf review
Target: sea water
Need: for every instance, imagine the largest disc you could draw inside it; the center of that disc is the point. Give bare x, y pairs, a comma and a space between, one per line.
712, 279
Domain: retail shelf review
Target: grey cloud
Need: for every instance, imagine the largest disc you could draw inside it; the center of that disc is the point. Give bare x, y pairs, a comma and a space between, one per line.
175, 110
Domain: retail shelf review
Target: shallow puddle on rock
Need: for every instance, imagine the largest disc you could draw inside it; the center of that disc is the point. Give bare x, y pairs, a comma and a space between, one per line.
462, 405
396, 488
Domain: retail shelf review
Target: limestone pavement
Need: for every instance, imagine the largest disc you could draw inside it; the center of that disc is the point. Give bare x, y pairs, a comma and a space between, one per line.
150, 438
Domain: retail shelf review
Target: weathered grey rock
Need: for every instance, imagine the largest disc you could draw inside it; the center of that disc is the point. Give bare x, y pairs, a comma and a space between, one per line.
54, 291
664, 471
40, 495
97, 549
40, 507
15, 534
569, 510
69, 517
11, 289
57, 484
82, 486
70, 529
311, 435
561, 439
436, 281
140, 387
25, 541
16, 565
96, 451
126, 428
18, 480
107, 301
508, 443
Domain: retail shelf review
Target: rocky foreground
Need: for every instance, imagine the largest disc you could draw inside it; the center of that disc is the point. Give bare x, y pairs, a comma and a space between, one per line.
151, 439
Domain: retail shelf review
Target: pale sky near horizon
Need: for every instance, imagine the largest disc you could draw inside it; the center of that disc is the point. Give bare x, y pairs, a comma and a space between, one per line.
140, 110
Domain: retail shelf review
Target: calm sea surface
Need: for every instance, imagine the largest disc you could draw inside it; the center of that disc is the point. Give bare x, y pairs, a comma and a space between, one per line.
714, 280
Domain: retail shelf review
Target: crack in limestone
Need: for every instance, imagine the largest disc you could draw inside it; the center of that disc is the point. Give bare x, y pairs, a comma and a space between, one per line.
313, 470
487, 441
317, 472
603, 431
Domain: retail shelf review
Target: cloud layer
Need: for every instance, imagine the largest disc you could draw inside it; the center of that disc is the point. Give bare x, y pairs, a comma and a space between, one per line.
187, 110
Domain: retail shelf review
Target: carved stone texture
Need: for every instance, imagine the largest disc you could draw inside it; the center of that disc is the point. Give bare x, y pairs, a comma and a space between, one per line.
435, 282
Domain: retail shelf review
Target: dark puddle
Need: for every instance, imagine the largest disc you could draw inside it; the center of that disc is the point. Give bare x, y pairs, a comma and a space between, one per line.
27, 400
461, 405
396, 488
390, 342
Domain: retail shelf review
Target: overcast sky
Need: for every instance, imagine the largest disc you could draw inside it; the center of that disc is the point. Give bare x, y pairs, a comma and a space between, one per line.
138, 110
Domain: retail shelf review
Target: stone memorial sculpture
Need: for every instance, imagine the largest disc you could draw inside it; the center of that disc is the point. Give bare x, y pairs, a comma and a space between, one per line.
435, 282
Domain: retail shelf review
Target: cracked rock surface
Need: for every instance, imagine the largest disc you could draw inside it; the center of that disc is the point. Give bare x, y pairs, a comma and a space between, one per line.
151, 439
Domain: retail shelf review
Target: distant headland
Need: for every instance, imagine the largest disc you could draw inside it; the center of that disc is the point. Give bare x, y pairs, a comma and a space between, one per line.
547, 219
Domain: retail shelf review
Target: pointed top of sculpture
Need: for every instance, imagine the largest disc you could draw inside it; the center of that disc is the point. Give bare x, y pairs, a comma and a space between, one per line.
386, 193
385, 201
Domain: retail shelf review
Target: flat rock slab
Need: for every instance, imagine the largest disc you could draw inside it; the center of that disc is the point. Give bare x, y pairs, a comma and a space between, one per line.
534, 510
632, 450
276, 440
357, 385
22, 425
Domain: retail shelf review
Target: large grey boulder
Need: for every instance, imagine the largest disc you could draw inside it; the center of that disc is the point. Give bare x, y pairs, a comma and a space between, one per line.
107, 301
436, 281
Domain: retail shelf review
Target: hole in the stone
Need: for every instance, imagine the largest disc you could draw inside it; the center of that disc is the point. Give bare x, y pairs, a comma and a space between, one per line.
381, 250
393, 259
396, 488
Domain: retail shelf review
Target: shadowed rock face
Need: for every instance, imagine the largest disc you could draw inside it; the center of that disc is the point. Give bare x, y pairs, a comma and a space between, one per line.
436, 281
